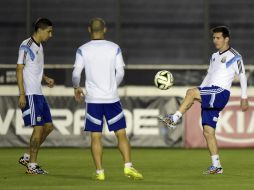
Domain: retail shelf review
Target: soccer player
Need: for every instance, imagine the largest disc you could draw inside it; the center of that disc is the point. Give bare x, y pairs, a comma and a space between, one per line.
214, 92
35, 110
104, 71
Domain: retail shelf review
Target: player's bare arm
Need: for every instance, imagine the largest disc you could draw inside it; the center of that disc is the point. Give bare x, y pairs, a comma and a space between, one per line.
49, 81
19, 76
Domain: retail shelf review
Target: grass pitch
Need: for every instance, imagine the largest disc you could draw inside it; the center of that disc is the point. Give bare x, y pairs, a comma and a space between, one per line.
71, 169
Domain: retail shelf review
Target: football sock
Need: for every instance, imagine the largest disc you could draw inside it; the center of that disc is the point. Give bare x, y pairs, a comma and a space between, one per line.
177, 116
99, 171
26, 156
216, 160
128, 165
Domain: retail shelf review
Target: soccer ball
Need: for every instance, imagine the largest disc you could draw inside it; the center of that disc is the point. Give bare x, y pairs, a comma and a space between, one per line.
163, 80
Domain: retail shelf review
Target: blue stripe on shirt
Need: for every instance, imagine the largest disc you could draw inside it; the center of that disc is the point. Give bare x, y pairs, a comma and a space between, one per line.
79, 52
28, 50
234, 59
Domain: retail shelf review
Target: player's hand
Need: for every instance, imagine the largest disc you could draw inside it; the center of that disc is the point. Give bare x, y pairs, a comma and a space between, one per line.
22, 101
244, 104
50, 82
79, 94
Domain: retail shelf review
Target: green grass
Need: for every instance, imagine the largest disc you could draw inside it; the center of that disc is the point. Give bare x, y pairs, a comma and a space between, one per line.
71, 168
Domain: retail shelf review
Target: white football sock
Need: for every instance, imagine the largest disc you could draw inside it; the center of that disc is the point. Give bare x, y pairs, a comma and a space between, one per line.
99, 171
216, 160
128, 165
26, 156
177, 116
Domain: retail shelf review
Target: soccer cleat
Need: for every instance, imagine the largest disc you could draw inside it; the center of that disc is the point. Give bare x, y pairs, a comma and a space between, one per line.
132, 173
167, 120
213, 170
99, 177
23, 161
36, 170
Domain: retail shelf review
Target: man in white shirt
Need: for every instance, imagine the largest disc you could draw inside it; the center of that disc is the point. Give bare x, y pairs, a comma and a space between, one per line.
34, 107
213, 93
104, 71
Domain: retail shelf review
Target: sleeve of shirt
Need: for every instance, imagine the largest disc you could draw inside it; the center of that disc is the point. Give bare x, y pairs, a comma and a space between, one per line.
78, 67
119, 67
240, 70
21, 56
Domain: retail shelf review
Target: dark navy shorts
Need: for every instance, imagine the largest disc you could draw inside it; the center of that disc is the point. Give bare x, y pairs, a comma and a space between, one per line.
214, 99
36, 111
112, 112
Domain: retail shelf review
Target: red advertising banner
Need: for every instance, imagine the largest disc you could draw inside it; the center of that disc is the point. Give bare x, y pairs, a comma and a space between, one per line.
234, 128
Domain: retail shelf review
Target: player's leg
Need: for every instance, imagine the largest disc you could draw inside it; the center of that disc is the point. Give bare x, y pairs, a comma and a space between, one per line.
209, 134
97, 150
47, 129
191, 96
38, 122
125, 149
47, 119
123, 145
35, 142
26, 114
94, 124
116, 122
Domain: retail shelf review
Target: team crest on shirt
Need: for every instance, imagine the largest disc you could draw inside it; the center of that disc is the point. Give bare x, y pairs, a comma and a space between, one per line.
223, 60
38, 118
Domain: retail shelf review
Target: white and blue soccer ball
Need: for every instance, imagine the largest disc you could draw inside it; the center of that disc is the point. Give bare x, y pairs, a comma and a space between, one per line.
163, 80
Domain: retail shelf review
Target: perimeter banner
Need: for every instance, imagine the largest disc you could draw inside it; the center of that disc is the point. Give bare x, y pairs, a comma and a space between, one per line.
234, 128
143, 128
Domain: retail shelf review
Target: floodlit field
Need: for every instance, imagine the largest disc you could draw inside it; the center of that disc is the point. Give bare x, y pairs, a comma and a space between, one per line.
71, 168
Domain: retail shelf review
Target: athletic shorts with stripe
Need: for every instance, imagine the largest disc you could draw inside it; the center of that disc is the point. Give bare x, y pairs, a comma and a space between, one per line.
36, 111
213, 100
112, 112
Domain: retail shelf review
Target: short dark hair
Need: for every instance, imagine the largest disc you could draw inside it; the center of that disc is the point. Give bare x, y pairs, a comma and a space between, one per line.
223, 29
42, 23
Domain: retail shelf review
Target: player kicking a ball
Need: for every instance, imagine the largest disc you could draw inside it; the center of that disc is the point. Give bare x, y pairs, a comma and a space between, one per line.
104, 71
213, 93
34, 107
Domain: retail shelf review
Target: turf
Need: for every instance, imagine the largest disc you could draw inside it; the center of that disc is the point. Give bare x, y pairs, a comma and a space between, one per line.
71, 168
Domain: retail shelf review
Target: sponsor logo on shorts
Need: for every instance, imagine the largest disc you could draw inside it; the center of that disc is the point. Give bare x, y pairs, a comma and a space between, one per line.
38, 118
215, 119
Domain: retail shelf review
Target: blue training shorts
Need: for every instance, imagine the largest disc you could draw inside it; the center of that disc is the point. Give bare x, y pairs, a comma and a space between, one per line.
112, 112
213, 100
36, 111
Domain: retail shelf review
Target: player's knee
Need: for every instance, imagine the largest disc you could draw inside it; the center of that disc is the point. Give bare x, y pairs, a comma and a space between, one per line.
120, 133
208, 134
190, 92
193, 92
96, 136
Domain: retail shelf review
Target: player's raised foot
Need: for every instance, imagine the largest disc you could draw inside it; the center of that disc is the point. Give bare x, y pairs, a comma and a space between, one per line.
23, 161
167, 120
36, 170
213, 170
132, 173
99, 176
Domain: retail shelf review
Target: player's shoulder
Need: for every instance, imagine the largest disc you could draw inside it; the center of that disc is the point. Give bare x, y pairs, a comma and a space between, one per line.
26, 42
233, 52
112, 44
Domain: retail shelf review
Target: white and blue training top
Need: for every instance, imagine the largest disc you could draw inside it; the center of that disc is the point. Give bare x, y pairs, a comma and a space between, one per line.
104, 70
222, 70
31, 56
